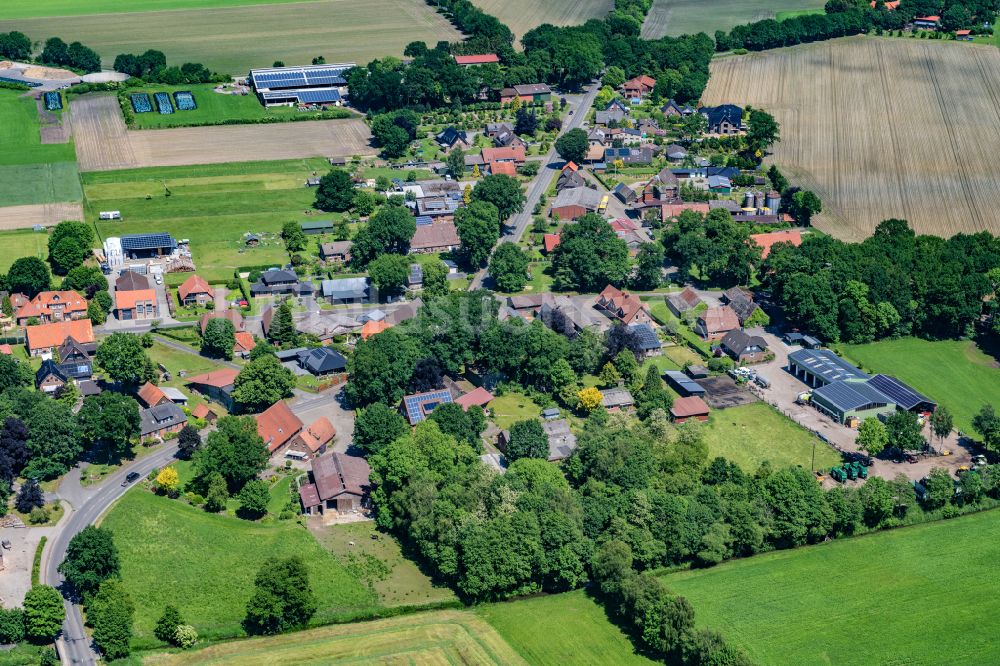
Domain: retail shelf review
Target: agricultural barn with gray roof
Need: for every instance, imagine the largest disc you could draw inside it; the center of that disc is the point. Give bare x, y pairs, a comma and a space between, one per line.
817, 367
310, 84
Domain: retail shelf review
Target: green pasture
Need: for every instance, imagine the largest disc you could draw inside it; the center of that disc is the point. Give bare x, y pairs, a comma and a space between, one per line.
212, 205
21, 243
917, 596
17, 9
212, 108
750, 434
954, 373
678, 17
32, 172
562, 629
205, 564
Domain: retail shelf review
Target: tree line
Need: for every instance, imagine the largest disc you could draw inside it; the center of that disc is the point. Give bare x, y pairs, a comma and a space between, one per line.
152, 66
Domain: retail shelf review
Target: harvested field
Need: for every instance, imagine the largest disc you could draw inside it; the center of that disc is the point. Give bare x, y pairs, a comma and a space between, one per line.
881, 128
443, 637
25, 217
104, 143
234, 39
723, 391
678, 17
523, 15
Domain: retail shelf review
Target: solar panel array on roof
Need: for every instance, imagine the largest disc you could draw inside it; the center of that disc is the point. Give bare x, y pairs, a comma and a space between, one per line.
646, 336
299, 77
140, 242
418, 406
848, 396
684, 383
826, 365
901, 394
424, 220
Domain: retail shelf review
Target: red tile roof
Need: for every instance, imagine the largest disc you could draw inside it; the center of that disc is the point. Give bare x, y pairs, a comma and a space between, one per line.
435, 236
503, 168
624, 305
234, 316
244, 342
507, 153
201, 411
690, 406
933, 18
551, 241
319, 433
277, 425
6, 349
43, 303
339, 473
478, 396
793, 236
45, 336
480, 59
372, 327
720, 320
673, 210
217, 378
127, 300
194, 285
151, 394
571, 166
962, 33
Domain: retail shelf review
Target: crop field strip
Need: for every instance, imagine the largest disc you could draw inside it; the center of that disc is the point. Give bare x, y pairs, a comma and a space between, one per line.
234, 39
678, 17
523, 15
442, 637
881, 128
104, 143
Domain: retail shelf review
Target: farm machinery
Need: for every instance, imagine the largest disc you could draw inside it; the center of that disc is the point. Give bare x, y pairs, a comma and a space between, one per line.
849, 472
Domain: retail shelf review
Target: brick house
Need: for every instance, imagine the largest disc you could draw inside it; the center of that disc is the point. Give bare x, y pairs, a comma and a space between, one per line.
46, 337
622, 306
195, 291
339, 482
136, 305
50, 306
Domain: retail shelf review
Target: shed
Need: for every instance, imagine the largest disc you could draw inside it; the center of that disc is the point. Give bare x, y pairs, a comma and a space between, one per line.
317, 227
683, 384
691, 407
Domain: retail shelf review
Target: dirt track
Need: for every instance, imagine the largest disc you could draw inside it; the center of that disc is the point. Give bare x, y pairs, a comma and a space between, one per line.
25, 217
881, 128
104, 143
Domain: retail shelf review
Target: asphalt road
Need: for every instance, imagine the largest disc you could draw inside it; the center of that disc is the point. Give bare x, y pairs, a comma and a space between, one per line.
74, 646
518, 224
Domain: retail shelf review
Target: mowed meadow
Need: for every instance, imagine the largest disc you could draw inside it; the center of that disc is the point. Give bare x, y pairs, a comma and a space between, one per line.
679, 17
523, 15
232, 39
881, 128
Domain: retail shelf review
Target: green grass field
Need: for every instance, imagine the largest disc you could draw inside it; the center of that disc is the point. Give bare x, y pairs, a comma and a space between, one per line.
231, 36
750, 434
21, 243
561, 629
917, 595
212, 205
212, 108
30, 172
512, 407
677, 17
954, 373
205, 564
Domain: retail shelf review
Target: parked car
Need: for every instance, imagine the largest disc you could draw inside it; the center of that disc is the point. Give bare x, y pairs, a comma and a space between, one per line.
131, 477
910, 458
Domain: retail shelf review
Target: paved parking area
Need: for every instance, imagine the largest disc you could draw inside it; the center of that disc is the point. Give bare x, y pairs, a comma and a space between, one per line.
329, 403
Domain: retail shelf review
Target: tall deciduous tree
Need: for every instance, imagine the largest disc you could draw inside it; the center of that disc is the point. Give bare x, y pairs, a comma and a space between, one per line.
388, 273
283, 598
28, 276
295, 239
111, 613
388, 232
91, 558
335, 192
254, 498
987, 423
219, 338
123, 357
527, 440
111, 418
261, 383
478, 226
509, 267
589, 256
380, 368
573, 145
435, 279
942, 422
235, 450
502, 191
43, 612
872, 436
376, 426
188, 441
13, 373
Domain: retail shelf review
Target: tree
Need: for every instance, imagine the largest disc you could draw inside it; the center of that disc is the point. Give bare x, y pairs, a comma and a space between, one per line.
762, 131
478, 226
168, 480
217, 494
15, 45
283, 598
653, 395
694, 125
388, 232
295, 239
30, 497
219, 338
435, 279
69, 245
525, 122
13, 373
91, 558
376, 426
111, 613
502, 191
872, 436
166, 626
364, 204
380, 368
188, 442
941, 422
905, 432
88, 280
111, 418
804, 205
427, 375
11, 622
335, 192
456, 163
254, 499
527, 440
589, 256
186, 636
649, 266
508, 267
388, 272
54, 440
14, 452
28, 276
122, 356
43, 613
573, 145
609, 375
261, 383
627, 366
282, 330
987, 423
464, 426
99, 307
940, 488
235, 450
614, 77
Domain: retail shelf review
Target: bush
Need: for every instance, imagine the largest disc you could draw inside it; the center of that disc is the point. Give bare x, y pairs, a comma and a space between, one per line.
186, 636
38, 516
11, 625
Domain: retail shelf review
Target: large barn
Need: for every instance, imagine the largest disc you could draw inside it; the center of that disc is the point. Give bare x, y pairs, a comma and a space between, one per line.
309, 84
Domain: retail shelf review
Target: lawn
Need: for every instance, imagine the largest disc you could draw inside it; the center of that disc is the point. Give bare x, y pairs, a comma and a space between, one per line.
206, 564
512, 407
954, 373
377, 558
30, 172
21, 243
561, 629
917, 595
213, 108
441, 637
212, 205
750, 434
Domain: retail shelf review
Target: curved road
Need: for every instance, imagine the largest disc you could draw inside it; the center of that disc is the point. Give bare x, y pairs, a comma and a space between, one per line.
74, 646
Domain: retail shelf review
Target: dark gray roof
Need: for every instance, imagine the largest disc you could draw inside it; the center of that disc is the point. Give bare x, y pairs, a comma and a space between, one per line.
162, 416
738, 342
900, 393
278, 277
155, 241
450, 136
322, 360
47, 368
847, 396
826, 365
346, 289
683, 383
724, 112
646, 336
